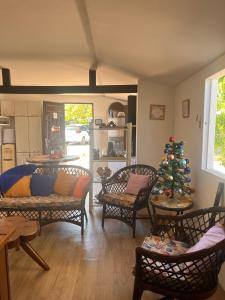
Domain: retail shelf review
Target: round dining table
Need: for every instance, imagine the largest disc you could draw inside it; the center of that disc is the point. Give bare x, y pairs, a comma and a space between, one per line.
47, 160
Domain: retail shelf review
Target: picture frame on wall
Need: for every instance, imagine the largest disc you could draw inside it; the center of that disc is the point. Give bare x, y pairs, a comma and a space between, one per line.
186, 108
157, 112
98, 122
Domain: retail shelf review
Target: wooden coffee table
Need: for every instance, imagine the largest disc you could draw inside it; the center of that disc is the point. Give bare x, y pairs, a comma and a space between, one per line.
25, 231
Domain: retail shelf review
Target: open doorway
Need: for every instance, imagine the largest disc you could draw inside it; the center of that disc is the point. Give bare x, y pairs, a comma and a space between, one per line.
66, 130
77, 137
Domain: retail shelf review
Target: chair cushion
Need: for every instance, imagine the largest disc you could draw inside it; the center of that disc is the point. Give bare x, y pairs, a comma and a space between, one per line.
64, 183
39, 201
81, 186
136, 182
20, 189
121, 199
42, 185
213, 236
166, 246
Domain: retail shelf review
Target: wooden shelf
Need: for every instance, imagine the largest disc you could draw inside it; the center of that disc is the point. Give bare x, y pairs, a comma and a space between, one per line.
108, 128
121, 137
109, 159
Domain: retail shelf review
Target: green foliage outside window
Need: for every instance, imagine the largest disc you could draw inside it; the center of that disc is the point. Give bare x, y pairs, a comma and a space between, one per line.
219, 146
78, 113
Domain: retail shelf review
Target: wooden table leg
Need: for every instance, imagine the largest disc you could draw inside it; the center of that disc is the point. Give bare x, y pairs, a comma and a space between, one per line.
34, 255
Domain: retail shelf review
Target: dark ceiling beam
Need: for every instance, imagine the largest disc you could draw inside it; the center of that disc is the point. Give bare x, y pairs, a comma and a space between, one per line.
92, 77
7, 88
98, 89
6, 78
85, 22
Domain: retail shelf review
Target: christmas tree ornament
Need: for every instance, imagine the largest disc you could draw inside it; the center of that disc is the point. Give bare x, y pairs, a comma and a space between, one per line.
187, 170
182, 162
168, 192
172, 139
165, 163
171, 156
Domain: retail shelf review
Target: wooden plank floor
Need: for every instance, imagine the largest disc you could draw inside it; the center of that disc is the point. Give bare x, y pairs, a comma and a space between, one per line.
95, 267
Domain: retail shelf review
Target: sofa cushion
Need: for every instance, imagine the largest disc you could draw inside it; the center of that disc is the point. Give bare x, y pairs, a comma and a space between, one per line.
136, 182
42, 185
20, 189
81, 186
121, 199
51, 201
64, 184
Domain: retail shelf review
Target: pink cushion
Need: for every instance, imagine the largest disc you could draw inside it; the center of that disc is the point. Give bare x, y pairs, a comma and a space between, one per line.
213, 236
136, 182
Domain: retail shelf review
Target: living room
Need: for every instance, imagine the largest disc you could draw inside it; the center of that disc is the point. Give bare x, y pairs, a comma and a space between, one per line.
95, 51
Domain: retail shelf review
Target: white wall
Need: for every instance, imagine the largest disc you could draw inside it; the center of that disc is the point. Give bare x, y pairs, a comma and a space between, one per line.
151, 134
188, 130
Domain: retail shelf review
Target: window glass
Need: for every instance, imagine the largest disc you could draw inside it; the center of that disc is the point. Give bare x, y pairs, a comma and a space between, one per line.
219, 141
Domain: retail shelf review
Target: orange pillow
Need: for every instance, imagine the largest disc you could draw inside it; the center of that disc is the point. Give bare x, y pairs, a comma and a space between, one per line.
20, 189
81, 186
64, 184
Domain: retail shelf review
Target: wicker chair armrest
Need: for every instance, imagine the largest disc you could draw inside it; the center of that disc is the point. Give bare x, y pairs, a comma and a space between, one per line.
142, 195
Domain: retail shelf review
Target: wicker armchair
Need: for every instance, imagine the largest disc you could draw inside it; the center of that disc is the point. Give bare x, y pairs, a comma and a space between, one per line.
121, 206
186, 276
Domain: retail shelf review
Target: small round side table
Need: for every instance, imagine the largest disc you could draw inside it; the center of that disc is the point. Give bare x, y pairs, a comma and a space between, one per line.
171, 204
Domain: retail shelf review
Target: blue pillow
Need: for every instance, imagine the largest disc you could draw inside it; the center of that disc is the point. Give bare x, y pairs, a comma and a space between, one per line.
42, 185
11, 176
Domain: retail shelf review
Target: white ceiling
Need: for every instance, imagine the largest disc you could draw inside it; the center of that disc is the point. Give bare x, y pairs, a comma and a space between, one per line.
56, 41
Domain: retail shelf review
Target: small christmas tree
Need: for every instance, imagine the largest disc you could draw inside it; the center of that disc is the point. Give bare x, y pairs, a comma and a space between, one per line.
173, 172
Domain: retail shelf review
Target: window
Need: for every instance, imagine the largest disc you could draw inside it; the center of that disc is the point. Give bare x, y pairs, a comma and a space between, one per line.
214, 125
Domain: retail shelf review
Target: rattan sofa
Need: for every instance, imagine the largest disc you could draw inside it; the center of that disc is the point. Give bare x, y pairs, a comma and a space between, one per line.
49, 209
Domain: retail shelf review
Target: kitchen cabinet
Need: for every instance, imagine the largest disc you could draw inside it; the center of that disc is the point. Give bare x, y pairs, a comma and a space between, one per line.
22, 134
7, 108
34, 108
35, 135
20, 108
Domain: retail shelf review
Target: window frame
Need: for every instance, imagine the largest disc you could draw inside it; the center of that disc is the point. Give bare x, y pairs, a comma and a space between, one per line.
209, 124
